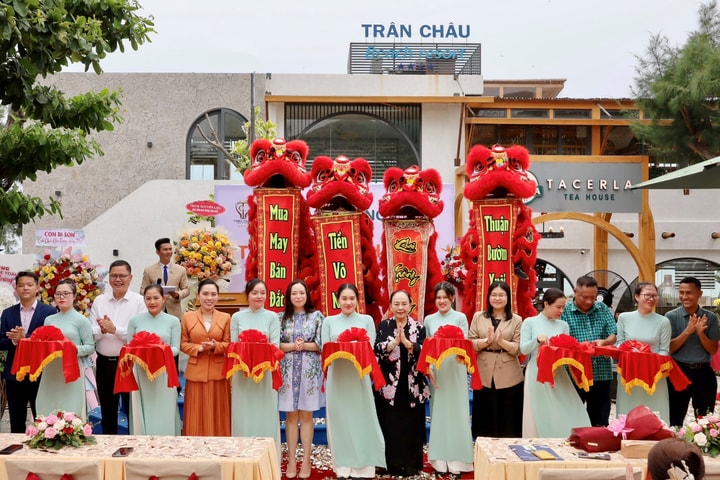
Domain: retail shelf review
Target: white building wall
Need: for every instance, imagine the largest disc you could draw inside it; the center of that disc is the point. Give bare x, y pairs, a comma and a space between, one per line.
156, 107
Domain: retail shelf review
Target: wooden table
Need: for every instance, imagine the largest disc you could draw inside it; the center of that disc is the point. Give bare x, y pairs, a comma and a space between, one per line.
241, 458
494, 460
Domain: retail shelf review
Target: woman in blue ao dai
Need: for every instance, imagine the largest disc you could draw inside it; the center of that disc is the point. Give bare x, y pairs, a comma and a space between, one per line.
301, 393
153, 407
548, 412
53, 392
354, 435
644, 325
255, 405
450, 447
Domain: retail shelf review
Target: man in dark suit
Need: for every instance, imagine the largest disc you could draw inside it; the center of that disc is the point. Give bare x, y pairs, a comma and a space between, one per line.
18, 322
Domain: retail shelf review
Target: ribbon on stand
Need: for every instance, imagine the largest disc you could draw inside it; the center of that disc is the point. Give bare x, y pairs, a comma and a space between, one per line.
45, 345
354, 345
564, 350
254, 355
450, 340
149, 352
638, 366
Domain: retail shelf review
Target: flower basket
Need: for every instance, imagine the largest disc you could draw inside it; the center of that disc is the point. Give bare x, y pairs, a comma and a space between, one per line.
56, 265
205, 253
57, 430
705, 433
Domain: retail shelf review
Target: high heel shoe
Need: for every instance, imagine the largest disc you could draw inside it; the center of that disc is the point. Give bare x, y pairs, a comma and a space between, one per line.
291, 473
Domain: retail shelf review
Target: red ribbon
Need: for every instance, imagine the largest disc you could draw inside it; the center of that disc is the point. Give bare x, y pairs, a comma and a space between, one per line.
353, 334
360, 353
47, 332
149, 352
254, 359
449, 331
252, 335
35, 353
437, 348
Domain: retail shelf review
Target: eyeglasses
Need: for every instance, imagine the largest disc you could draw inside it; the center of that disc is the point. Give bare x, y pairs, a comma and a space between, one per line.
650, 296
119, 276
63, 294
498, 295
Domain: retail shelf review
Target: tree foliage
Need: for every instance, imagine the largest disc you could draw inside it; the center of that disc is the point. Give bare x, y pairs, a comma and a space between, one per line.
44, 128
678, 87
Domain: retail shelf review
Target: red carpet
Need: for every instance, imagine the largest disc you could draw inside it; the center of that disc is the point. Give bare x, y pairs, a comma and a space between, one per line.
322, 469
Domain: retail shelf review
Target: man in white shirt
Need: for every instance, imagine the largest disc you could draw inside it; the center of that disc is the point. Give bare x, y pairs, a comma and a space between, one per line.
110, 315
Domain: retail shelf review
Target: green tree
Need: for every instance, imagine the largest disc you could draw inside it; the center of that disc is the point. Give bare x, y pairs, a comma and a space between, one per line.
678, 87
45, 129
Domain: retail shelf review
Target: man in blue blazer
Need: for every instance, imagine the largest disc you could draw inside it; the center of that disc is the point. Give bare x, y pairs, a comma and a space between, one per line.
18, 322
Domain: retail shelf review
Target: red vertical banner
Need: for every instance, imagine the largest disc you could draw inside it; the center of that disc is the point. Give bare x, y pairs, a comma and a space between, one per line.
278, 233
495, 220
339, 257
406, 244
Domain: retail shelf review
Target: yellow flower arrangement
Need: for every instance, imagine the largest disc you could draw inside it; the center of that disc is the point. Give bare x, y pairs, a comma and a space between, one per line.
205, 254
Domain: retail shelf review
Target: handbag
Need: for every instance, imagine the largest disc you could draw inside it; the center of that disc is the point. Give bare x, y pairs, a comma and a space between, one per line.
594, 439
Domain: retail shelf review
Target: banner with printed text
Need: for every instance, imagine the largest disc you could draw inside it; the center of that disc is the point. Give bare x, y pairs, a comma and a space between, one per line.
495, 221
278, 233
406, 244
339, 257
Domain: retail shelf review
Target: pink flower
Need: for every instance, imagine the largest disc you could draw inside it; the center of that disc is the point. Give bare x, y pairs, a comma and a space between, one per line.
696, 428
713, 418
50, 433
51, 419
87, 429
69, 417
713, 432
31, 431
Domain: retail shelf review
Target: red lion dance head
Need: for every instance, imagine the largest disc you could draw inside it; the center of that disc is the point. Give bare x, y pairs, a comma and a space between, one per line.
497, 174
411, 194
277, 169
342, 185
278, 164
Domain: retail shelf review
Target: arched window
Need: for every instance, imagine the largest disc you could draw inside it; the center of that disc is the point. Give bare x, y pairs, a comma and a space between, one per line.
386, 135
358, 135
205, 162
549, 275
669, 273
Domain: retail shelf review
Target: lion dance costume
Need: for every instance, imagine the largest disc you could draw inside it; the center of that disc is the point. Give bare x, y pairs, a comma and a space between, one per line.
340, 195
281, 246
501, 241
409, 260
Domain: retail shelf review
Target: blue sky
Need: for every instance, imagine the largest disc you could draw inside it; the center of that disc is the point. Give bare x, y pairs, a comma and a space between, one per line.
590, 43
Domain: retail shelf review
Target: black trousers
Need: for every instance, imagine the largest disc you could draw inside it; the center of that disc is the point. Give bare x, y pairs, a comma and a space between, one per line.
702, 391
597, 401
19, 394
109, 401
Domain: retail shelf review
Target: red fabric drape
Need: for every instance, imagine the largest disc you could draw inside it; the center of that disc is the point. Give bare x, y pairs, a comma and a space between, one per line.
254, 359
152, 355
578, 359
31, 357
360, 354
436, 349
639, 367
